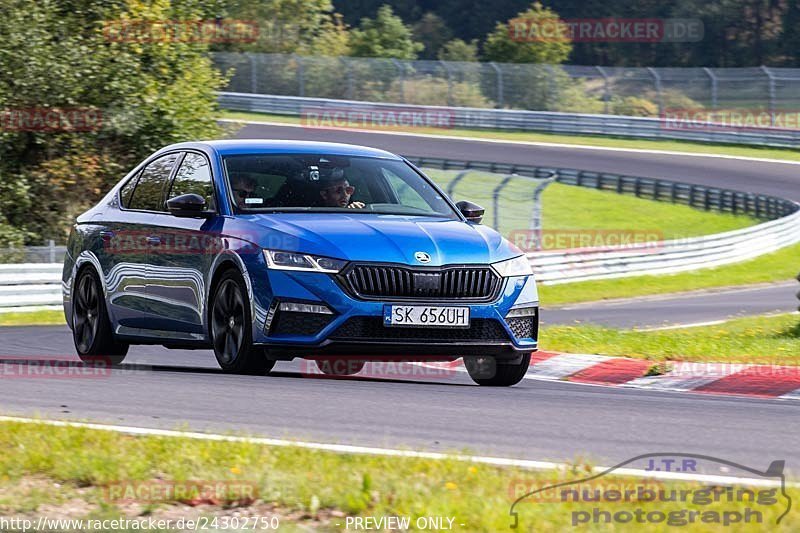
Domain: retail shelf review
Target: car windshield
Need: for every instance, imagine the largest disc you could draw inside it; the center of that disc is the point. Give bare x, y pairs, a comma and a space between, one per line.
306, 182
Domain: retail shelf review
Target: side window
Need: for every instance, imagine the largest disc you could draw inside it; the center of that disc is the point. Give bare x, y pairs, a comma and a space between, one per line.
147, 195
194, 176
127, 191
406, 195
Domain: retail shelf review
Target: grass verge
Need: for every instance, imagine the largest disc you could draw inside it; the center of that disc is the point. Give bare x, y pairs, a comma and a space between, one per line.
48, 317
603, 141
61, 472
777, 266
766, 340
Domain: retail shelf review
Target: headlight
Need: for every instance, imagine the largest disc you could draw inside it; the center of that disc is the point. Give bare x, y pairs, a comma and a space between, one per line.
296, 261
519, 266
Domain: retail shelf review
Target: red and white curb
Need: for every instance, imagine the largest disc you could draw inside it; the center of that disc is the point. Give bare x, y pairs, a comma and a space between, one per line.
761, 381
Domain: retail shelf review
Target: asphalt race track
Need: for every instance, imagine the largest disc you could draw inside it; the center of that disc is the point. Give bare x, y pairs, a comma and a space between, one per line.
539, 420
533, 420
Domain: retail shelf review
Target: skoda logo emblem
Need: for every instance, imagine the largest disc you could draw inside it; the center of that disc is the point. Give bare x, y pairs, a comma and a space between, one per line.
422, 257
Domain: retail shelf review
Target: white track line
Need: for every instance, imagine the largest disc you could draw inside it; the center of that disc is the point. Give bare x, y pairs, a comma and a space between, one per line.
390, 452
525, 143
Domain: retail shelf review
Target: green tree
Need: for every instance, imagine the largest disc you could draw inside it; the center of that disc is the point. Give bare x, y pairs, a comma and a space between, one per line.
433, 33
147, 93
458, 50
384, 36
502, 46
309, 27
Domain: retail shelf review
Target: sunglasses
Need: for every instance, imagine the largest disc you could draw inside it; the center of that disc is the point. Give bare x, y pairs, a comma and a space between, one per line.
244, 194
341, 189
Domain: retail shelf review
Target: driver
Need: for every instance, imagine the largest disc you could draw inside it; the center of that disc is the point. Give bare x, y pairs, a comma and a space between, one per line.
243, 188
337, 194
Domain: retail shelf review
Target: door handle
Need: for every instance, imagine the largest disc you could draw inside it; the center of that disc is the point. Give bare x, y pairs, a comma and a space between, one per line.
154, 240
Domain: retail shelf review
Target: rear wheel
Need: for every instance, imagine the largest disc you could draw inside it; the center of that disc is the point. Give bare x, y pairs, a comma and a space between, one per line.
92, 332
490, 372
231, 329
340, 367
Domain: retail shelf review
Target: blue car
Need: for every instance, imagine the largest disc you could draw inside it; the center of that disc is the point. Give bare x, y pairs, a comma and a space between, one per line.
266, 251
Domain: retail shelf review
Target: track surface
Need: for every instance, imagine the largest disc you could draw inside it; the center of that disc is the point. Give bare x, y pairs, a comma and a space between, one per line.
534, 420
688, 308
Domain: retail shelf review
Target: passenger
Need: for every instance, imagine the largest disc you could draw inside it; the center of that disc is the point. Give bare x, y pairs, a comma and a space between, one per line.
243, 188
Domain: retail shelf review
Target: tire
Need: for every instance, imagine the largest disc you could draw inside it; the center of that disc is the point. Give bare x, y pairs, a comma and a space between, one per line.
340, 367
230, 328
489, 372
91, 328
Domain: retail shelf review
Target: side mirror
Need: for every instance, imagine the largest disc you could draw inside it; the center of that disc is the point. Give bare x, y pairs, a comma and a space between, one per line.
188, 205
472, 212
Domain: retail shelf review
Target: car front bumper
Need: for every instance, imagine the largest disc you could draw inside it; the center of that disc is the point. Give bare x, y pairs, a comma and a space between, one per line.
355, 327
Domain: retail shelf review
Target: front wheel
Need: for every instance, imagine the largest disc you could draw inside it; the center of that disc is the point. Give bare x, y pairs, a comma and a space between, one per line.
490, 372
231, 329
92, 332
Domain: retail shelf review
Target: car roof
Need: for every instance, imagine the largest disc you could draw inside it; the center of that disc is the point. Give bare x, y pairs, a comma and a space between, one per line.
264, 146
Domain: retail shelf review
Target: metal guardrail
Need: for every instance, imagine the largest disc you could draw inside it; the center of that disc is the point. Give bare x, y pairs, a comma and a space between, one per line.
518, 120
709, 198
30, 284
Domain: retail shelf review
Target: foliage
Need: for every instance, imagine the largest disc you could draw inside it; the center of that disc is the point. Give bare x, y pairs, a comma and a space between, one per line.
384, 36
145, 93
500, 46
634, 106
309, 27
433, 33
458, 50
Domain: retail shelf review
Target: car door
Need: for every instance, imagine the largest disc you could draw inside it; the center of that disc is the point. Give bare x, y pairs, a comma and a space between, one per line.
126, 247
181, 261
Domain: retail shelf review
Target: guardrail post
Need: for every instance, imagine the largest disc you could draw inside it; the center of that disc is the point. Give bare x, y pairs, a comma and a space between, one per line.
499, 74
714, 86
301, 82
771, 78
52, 249
606, 89
657, 81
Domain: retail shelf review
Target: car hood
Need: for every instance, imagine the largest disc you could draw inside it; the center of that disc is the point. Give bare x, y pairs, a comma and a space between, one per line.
383, 238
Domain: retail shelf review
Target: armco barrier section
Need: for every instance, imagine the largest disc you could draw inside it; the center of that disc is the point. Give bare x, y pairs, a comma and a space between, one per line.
30, 284
520, 120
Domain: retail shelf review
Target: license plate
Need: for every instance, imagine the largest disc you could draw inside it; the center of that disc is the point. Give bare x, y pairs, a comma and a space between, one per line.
423, 315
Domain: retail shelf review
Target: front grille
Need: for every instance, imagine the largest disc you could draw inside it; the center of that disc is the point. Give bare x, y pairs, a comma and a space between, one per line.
293, 323
373, 282
524, 327
368, 328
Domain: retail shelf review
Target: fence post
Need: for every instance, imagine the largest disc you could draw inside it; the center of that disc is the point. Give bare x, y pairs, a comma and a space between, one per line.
606, 88
52, 249
771, 78
402, 71
496, 200
301, 82
657, 81
714, 86
536, 219
499, 74
449, 82
253, 73
349, 73
451, 187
